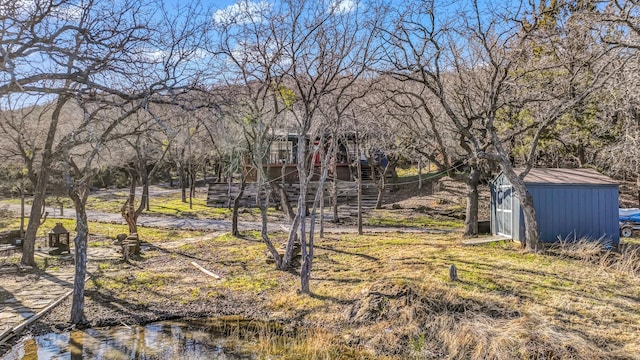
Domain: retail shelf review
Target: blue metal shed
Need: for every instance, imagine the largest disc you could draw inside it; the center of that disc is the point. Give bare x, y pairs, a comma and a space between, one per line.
570, 204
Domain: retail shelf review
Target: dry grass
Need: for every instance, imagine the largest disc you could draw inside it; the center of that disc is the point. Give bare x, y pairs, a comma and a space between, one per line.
626, 258
389, 295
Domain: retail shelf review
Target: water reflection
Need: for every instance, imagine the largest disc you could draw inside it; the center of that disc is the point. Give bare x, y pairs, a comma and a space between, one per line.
184, 339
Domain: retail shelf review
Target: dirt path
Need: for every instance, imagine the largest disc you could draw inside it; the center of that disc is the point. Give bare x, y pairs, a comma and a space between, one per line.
24, 295
167, 222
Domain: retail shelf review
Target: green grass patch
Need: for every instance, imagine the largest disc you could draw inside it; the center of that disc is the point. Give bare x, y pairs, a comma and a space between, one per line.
249, 283
10, 224
392, 220
111, 230
171, 205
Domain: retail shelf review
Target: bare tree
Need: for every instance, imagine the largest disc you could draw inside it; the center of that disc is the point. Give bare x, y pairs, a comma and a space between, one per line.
81, 150
148, 150
328, 48
252, 55
100, 58
77, 48
421, 124
289, 59
617, 25
482, 70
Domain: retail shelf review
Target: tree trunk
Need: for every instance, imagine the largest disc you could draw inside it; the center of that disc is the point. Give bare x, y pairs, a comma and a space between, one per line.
471, 215
145, 193
22, 211
40, 187
183, 183
307, 257
297, 232
304, 249
284, 201
218, 172
28, 244
265, 234
132, 222
305, 268
321, 210
382, 184
334, 185
638, 188
80, 242
292, 240
334, 200
359, 181
192, 187
183, 191
128, 209
236, 208
320, 194
532, 237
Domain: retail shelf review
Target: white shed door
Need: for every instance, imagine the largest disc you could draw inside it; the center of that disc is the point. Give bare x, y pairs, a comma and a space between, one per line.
504, 206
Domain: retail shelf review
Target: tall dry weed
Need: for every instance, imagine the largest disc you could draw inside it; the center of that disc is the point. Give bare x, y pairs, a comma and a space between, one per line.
626, 258
442, 323
523, 338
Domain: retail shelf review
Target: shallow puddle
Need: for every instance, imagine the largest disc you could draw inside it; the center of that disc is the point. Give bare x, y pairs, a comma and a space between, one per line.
180, 339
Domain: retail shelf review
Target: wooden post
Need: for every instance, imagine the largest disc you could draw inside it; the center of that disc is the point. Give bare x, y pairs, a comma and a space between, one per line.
420, 174
453, 273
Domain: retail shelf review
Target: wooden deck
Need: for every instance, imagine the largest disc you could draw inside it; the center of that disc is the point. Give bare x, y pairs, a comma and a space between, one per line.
6, 250
222, 195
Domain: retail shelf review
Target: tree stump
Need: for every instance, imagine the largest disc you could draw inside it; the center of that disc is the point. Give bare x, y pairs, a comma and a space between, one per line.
130, 246
120, 238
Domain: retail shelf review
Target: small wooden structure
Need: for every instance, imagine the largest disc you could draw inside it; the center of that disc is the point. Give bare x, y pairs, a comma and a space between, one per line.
282, 160
570, 204
59, 239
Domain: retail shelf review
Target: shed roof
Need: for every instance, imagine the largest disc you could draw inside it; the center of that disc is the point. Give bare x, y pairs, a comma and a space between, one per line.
58, 229
566, 177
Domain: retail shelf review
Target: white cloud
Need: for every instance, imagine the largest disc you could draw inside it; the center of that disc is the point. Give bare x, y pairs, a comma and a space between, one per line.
24, 9
17, 8
343, 6
69, 12
253, 55
242, 12
155, 56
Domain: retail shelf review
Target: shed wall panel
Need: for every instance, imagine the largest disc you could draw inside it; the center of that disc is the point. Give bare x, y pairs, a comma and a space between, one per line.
574, 212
